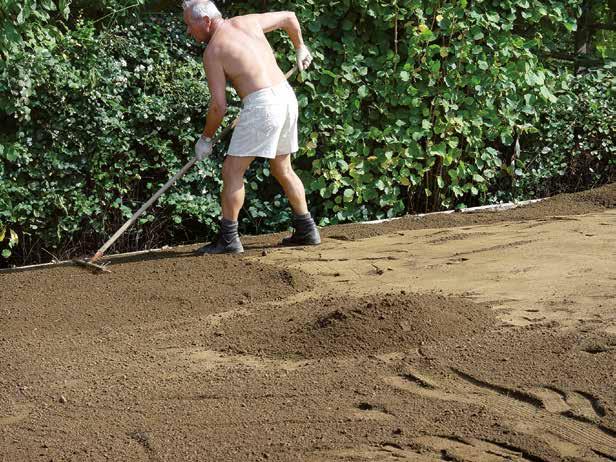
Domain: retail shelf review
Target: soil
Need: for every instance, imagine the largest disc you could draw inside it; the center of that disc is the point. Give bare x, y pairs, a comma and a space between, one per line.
461, 337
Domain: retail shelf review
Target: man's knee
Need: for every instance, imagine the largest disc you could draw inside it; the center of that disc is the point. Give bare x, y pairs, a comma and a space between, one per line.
282, 171
233, 169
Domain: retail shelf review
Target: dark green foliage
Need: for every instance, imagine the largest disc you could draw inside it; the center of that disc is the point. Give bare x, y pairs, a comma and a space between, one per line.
575, 147
409, 106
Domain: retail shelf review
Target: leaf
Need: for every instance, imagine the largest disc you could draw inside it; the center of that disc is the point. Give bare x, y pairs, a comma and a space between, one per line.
478, 178
506, 138
438, 150
6, 253
348, 195
404, 76
48, 5
14, 238
64, 7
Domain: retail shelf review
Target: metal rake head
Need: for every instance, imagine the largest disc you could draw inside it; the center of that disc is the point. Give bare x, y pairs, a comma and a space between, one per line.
96, 267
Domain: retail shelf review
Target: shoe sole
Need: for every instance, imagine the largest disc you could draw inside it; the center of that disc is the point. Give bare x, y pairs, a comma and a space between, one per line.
299, 244
233, 252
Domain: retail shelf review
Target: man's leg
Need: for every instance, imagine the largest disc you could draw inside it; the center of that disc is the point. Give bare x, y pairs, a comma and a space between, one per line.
232, 199
232, 196
306, 232
281, 169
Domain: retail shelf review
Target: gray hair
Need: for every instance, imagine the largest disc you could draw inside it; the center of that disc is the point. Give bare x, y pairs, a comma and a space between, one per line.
201, 8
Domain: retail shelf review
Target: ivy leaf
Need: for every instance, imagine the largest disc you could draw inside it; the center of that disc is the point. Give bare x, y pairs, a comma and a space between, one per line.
14, 238
438, 150
48, 5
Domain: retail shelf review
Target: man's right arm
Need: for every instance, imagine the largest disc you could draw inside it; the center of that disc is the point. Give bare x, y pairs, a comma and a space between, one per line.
288, 21
285, 20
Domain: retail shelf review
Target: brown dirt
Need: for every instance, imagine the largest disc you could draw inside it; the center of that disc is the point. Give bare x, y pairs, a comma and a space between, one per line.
563, 205
464, 337
341, 326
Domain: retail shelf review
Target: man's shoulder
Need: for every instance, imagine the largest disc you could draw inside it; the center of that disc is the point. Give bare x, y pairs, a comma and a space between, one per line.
245, 22
245, 18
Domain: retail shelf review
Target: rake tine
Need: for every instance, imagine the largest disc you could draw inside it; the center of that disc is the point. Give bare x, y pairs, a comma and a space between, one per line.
92, 266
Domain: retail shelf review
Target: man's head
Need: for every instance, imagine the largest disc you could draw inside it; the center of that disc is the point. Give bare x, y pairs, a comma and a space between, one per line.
199, 15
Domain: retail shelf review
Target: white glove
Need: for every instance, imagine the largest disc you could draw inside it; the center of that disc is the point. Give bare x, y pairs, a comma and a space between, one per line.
304, 58
203, 148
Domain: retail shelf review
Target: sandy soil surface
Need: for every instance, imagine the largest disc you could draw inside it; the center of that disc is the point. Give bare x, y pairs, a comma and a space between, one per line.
461, 337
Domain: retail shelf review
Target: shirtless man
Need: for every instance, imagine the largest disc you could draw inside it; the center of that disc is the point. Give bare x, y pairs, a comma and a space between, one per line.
237, 50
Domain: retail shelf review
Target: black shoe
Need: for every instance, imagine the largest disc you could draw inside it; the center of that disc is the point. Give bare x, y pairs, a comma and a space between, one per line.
305, 233
228, 240
221, 246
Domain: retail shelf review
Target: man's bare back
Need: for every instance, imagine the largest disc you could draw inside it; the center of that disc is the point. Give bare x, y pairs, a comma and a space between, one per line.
247, 58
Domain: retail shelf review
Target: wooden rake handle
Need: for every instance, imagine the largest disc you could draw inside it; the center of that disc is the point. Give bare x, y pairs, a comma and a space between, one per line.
100, 252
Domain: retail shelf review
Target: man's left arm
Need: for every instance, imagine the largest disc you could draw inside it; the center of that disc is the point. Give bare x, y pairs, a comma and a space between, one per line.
218, 104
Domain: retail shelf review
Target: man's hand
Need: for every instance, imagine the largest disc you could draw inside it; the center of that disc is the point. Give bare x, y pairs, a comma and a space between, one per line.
203, 148
304, 58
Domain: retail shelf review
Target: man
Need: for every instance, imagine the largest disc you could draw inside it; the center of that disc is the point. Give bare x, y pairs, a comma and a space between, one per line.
237, 50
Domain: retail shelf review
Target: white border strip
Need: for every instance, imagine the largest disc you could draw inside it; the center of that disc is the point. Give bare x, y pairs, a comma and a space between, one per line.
482, 208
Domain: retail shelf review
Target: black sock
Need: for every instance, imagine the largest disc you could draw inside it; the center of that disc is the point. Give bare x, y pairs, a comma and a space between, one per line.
228, 230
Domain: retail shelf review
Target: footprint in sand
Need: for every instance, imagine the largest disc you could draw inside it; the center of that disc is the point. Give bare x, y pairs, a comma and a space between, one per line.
570, 423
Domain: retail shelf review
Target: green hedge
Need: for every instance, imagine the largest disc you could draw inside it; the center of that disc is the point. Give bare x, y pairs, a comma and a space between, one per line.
575, 147
408, 107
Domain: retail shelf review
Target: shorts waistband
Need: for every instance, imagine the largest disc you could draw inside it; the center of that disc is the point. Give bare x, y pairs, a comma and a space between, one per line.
267, 94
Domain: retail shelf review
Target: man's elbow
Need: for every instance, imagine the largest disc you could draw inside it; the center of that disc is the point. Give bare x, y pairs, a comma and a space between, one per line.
290, 19
220, 108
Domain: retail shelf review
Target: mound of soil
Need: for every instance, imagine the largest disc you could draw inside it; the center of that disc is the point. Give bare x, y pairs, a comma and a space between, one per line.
139, 291
337, 326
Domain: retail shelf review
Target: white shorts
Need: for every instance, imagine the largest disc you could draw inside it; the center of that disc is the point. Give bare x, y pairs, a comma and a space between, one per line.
267, 125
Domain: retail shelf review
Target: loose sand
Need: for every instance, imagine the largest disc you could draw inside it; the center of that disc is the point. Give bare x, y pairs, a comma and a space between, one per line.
462, 337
